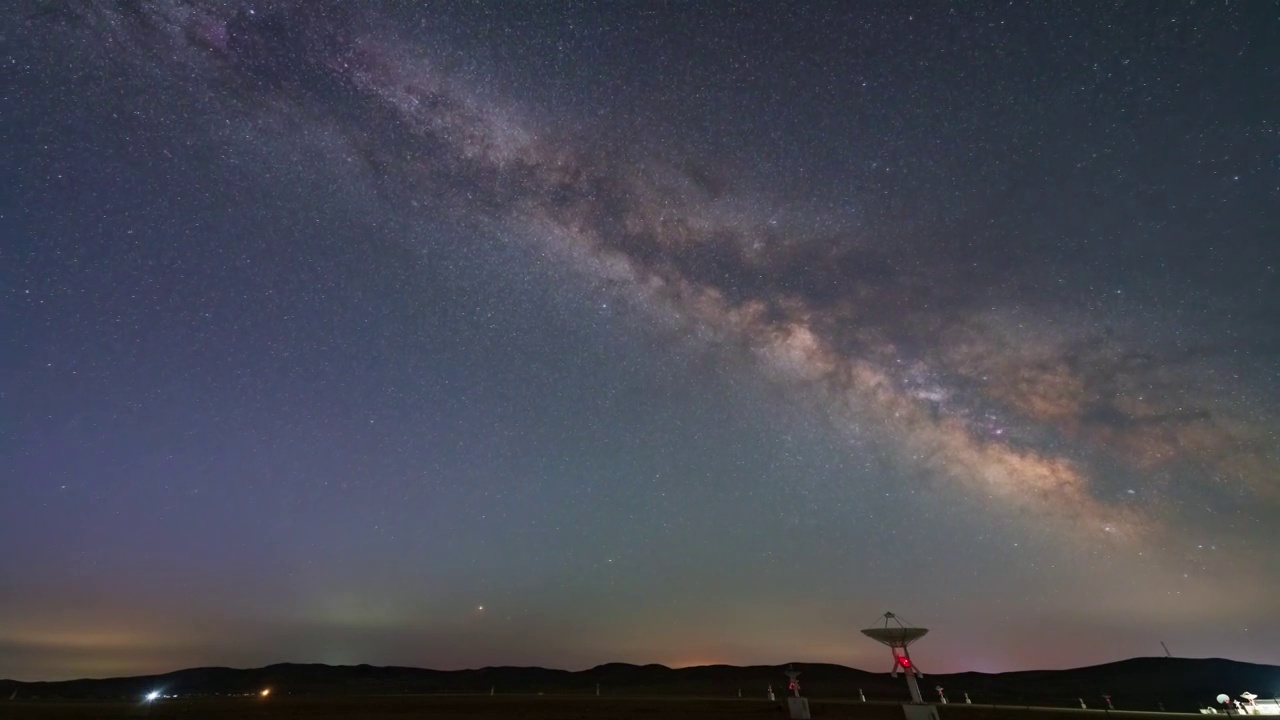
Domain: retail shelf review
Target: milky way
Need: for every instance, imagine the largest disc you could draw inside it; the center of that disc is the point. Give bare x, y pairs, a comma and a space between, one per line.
957, 385
1105, 412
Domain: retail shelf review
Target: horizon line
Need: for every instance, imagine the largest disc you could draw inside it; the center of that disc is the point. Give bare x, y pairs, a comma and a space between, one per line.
1161, 658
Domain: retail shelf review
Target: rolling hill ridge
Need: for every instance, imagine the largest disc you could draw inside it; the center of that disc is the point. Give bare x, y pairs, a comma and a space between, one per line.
1135, 684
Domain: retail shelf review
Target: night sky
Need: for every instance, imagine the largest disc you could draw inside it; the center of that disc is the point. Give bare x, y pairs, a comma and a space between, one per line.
558, 333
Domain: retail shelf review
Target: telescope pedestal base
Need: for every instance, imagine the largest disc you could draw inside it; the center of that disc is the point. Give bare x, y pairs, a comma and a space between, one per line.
919, 712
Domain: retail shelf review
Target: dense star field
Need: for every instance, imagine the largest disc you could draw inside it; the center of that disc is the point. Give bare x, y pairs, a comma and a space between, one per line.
561, 333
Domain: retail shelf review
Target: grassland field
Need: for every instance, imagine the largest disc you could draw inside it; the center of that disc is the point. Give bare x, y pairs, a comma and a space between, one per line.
518, 707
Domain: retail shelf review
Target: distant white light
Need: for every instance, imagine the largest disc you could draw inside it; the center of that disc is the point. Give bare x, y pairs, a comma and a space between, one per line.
153, 696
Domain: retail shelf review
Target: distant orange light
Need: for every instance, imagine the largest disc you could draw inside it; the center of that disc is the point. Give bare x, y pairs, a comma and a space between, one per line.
266, 692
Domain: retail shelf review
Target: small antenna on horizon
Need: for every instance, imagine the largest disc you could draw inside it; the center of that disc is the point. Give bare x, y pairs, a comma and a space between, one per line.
1166, 649
794, 685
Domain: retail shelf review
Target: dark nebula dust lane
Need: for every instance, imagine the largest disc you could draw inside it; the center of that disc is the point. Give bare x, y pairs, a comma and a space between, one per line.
1023, 258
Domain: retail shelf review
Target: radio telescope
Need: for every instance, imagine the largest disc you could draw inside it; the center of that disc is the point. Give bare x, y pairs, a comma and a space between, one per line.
898, 636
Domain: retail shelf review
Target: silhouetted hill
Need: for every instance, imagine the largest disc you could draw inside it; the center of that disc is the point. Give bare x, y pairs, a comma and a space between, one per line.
1137, 684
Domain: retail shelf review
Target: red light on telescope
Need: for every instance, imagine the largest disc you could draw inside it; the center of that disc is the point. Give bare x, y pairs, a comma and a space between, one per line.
904, 662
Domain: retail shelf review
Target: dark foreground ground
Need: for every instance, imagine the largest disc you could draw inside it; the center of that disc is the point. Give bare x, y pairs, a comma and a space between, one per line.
435, 707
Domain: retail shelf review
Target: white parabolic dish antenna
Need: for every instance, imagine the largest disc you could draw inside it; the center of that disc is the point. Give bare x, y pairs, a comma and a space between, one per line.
895, 636
894, 633
898, 635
